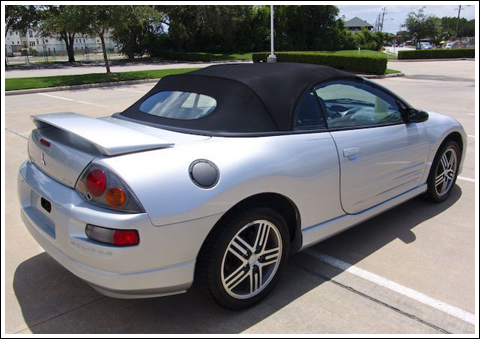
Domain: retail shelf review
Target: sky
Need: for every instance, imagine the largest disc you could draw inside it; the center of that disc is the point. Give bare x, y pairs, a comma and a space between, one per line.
395, 15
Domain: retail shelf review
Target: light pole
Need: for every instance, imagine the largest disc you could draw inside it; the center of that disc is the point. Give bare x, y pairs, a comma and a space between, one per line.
271, 57
458, 20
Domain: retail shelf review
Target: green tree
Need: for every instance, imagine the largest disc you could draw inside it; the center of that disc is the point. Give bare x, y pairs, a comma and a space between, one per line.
20, 18
63, 21
466, 28
420, 25
97, 20
300, 27
133, 23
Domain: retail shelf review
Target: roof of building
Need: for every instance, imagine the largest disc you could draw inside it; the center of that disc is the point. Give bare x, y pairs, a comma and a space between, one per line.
357, 22
251, 98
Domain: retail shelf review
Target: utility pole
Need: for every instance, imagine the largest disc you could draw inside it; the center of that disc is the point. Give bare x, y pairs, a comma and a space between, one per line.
383, 17
272, 57
458, 20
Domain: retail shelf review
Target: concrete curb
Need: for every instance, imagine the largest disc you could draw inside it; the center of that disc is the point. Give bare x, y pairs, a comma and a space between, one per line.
383, 76
79, 87
135, 82
426, 60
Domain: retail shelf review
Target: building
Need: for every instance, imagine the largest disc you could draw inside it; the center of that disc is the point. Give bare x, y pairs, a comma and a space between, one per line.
356, 24
16, 42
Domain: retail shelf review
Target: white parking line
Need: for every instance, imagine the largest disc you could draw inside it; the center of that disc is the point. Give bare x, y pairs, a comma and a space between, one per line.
393, 286
67, 99
470, 136
466, 179
471, 113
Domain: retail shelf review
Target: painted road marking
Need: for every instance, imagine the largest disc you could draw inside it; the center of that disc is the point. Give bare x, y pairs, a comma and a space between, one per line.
393, 286
471, 136
466, 179
67, 99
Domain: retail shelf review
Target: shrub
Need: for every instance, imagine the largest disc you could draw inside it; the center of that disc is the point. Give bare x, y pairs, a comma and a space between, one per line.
437, 54
183, 56
374, 63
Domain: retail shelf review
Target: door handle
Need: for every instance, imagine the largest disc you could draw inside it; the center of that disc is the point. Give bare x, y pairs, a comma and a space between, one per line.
351, 152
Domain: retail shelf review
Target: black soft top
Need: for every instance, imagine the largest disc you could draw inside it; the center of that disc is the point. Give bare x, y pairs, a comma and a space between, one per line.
251, 98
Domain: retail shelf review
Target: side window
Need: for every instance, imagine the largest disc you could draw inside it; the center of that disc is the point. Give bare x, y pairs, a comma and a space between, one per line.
355, 104
308, 115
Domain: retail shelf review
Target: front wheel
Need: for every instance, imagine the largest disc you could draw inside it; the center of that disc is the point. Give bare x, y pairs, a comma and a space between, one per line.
443, 173
242, 260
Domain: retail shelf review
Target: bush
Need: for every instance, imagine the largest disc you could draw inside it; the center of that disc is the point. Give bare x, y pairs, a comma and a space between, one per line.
183, 56
374, 63
437, 54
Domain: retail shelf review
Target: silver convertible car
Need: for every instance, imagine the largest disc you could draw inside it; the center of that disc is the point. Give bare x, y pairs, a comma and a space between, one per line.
216, 176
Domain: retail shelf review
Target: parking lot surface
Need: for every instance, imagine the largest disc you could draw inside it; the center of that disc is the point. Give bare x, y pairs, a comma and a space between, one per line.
409, 270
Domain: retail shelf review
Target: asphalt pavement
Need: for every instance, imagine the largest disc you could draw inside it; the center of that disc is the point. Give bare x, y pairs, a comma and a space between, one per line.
409, 270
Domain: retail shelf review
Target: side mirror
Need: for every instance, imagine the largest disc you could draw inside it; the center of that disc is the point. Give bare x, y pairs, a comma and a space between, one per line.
414, 115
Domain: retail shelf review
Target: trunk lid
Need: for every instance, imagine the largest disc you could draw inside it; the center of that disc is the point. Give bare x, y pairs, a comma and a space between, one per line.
65, 143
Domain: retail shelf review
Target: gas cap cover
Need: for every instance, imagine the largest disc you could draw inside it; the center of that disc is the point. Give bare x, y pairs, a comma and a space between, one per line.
204, 173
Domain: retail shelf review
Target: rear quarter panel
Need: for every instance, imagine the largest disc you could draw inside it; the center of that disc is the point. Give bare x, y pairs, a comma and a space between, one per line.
302, 167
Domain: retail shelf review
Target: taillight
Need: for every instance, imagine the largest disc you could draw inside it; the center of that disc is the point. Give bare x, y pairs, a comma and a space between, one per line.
96, 182
112, 236
115, 197
45, 143
104, 188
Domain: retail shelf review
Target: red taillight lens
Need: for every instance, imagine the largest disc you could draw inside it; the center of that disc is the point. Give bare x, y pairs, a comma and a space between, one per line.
96, 182
45, 143
111, 236
125, 238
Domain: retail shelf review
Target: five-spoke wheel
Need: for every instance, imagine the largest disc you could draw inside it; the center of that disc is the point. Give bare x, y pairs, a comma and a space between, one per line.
243, 258
251, 259
443, 173
446, 171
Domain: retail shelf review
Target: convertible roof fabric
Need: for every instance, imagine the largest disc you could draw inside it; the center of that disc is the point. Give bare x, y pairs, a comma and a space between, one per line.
251, 98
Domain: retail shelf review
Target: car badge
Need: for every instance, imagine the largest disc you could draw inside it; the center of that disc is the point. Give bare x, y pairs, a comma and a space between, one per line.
43, 159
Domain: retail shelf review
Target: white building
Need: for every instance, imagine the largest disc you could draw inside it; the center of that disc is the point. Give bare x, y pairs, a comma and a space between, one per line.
32, 41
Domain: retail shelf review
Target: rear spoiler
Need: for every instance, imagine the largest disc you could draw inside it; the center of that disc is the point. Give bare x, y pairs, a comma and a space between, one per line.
109, 138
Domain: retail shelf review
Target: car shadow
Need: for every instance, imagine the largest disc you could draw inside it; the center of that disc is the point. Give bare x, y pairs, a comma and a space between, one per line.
52, 300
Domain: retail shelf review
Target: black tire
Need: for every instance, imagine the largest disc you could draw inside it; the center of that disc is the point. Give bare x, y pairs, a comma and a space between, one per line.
432, 193
208, 273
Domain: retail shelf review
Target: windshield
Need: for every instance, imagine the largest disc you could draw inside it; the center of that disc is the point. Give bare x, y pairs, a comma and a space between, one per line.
179, 105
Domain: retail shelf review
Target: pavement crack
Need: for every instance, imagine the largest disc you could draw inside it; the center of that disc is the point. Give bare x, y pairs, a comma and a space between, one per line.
351, 289
62, 314
16, 133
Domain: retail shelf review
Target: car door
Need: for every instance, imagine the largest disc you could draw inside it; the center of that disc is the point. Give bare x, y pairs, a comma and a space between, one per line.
380, 155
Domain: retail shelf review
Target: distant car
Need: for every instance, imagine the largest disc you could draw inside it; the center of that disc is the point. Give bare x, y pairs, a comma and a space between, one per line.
449, 45
424, 45
217, 175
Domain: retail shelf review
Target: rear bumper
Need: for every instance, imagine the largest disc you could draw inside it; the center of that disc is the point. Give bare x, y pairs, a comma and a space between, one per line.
162, 264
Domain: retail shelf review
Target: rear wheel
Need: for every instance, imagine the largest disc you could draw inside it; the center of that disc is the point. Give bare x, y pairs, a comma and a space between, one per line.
242, 260
443, 173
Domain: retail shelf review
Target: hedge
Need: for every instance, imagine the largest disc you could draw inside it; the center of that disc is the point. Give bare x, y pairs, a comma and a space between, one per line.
437, 53
184, 56
373, 64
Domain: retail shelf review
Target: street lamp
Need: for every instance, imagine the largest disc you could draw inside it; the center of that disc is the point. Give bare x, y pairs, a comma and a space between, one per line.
272, 57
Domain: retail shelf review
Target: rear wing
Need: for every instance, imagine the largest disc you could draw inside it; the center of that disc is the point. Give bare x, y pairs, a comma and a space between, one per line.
110, 139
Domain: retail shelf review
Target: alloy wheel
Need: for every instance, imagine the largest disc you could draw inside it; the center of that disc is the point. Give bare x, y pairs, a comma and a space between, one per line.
251, 259
446, 171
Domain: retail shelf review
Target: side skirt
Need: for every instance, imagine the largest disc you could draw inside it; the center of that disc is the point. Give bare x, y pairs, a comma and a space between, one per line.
317, 233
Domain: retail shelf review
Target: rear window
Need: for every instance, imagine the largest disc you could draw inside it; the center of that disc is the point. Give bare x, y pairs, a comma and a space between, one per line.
179, 105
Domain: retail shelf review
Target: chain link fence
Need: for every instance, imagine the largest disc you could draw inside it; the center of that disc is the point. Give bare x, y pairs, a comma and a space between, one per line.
51, 53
